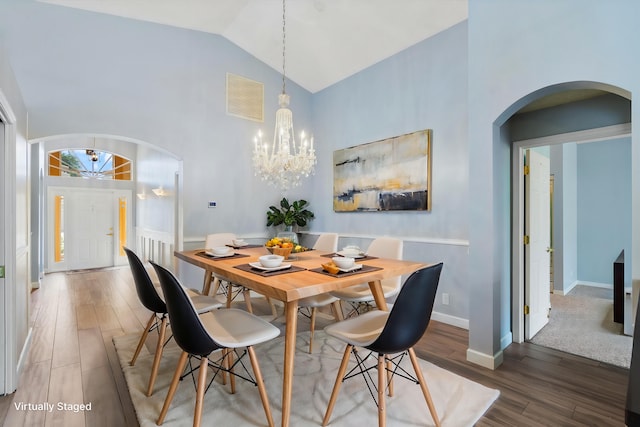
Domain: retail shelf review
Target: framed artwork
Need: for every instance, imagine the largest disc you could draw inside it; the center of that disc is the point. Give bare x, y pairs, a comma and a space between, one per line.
393, 174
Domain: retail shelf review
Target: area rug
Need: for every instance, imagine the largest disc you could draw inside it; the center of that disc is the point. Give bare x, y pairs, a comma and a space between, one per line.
581, 323
459, 402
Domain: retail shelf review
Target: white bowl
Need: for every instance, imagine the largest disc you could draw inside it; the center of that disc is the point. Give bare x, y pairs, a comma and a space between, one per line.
220, 250
239, 242
351, 251
343, 262
270, 261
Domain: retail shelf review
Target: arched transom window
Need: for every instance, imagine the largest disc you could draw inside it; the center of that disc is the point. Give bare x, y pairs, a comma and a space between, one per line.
89, 164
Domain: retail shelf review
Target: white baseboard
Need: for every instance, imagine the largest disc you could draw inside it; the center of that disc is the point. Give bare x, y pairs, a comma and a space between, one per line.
24, 354
506, 340
450, 320
485, 360
584, 283
595, 284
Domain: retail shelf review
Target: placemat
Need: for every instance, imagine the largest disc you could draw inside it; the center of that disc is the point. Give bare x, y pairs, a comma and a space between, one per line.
364, 269
364, 258
218, 258
245, 246
265, 273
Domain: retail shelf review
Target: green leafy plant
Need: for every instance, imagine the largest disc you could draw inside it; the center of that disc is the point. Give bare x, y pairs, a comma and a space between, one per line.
289, 213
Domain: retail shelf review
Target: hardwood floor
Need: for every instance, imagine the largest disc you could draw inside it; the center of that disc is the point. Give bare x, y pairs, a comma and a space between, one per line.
72, 360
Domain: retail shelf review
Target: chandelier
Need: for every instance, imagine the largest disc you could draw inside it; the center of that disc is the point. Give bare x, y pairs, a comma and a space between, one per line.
285, 162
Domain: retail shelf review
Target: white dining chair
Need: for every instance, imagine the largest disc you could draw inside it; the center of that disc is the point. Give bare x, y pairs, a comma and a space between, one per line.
222, 285
326, 242
359, 296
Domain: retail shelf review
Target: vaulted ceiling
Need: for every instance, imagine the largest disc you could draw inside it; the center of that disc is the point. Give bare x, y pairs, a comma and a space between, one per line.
326, 40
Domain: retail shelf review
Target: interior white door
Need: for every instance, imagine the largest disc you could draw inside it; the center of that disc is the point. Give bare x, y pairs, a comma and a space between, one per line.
538, 229
90, 234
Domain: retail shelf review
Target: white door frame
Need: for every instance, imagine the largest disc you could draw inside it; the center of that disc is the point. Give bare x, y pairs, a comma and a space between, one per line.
517, 208
8, 335
117, 193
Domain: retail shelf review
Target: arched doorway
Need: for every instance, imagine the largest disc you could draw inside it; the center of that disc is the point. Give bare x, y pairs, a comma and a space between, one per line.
554, 115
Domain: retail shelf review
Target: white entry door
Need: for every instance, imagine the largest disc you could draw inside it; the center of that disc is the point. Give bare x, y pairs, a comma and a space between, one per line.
89, 238
538, 230
87, 228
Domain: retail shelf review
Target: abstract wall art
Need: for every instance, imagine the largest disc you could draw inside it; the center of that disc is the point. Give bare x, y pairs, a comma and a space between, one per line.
393, 174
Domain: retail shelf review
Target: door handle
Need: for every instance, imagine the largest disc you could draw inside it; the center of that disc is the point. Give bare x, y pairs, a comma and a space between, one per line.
109, 234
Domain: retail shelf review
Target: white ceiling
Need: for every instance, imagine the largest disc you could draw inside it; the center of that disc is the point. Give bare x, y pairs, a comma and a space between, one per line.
327, 40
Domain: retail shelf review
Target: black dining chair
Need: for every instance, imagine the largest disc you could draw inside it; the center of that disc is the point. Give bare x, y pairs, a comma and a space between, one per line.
389, 333
152, 301
200, 335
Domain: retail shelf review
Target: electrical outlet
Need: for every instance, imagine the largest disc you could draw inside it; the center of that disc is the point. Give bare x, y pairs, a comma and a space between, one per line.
445, 299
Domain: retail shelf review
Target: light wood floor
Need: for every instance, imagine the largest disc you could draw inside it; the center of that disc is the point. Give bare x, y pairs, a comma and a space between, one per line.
72, 360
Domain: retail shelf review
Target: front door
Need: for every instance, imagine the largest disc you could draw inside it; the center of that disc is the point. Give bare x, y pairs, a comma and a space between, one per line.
90, 231
538, 231
87, 228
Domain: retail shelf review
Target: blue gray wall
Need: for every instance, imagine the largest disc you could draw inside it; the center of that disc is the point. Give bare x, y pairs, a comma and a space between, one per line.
604, 207
423, 87
574, 41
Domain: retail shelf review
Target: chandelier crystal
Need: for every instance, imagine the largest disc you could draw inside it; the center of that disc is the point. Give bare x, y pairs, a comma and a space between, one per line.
286, 161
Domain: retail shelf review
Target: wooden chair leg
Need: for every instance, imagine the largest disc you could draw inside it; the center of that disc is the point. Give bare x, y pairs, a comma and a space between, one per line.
247, 299
223, 373
261, 388
232, 378
206, 284
143, 338
202, 386
172, 388
229, 295
382, 378
423, 386
274, 310
312, 329
337, 310
158, 355
338, 383
216, 286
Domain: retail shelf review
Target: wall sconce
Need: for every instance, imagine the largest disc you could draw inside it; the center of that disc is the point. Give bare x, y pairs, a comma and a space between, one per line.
160, 192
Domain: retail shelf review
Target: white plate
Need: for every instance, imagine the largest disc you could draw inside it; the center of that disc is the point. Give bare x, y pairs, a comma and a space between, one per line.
260, 267
350, 255
239, 246
230, 253
350, 269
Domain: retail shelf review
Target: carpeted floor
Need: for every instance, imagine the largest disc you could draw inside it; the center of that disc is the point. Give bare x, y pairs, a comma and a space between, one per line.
459, 402
582, 323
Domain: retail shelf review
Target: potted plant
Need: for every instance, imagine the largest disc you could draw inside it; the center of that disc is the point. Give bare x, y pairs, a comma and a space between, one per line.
289, 214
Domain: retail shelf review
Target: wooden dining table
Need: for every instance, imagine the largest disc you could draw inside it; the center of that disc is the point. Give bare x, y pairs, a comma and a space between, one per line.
291, 286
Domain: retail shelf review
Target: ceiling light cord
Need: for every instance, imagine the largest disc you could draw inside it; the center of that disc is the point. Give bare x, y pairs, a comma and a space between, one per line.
284, 33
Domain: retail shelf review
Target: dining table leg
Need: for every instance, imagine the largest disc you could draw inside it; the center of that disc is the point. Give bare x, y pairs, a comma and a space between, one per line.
291, 312
378, 295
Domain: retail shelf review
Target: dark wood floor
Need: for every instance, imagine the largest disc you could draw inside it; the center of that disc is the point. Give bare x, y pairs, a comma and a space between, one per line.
72, 359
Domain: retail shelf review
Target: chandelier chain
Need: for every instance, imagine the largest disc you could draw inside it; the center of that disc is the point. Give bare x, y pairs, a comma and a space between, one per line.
284, 44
